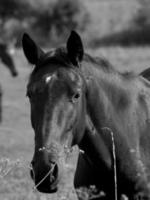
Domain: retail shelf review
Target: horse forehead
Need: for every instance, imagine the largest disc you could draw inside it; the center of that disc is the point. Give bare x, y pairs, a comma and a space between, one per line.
41, 80
74, 76
59, 75
48, 78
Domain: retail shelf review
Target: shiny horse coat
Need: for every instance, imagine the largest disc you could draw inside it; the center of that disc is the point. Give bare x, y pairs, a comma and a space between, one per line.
77, 99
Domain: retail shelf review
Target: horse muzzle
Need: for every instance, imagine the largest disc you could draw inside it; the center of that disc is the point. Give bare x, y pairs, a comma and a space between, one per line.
45, 177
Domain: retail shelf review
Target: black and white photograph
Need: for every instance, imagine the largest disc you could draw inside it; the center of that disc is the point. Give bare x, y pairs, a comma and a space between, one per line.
74, 100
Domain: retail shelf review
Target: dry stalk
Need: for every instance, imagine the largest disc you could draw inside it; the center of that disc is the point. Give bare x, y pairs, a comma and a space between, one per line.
49, 172
7, 166
19, 163
114, 160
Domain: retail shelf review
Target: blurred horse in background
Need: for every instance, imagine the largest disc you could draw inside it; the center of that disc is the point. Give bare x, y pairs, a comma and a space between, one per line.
77, 99
7, 60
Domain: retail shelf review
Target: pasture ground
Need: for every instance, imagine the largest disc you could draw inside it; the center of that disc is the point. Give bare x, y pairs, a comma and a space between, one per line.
16, 134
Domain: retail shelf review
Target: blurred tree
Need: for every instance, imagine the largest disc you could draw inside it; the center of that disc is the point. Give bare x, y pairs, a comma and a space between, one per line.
15, 15
142, 16
67, 15
53, 19
13, 9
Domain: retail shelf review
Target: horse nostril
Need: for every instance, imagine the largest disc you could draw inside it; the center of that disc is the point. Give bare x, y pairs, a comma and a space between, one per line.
54, 173
45, 176
32, 174
32, 169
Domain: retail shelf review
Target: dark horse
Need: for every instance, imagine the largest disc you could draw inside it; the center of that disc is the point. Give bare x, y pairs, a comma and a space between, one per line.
7, 60
79, 100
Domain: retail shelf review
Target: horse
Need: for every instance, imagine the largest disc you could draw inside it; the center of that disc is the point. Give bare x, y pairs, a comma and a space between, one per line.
78, 99
7, 60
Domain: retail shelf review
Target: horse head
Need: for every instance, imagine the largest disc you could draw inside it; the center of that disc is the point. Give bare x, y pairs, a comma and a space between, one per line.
57, 95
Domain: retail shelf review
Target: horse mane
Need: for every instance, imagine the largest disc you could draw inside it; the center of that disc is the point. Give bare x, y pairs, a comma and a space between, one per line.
99, 62
59, 56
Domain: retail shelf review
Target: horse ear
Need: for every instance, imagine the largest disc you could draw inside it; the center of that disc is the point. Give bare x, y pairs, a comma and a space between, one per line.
31, 50
75, 48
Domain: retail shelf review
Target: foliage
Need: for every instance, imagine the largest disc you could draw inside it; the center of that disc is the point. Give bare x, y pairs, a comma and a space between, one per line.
142, 16
53, 19
135, 32
67, 14
14, 15
13, 9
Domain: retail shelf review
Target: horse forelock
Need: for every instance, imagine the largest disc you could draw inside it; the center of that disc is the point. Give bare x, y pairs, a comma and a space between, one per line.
50, 63
56, 56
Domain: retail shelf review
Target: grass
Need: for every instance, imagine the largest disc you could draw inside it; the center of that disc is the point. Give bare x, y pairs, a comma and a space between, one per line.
16, 134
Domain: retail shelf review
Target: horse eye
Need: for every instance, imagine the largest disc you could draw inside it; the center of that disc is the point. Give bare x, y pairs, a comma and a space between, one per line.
75, 97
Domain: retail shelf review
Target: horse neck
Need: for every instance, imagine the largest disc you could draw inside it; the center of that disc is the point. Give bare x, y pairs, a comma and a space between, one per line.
108, 95
103, 88
94, 147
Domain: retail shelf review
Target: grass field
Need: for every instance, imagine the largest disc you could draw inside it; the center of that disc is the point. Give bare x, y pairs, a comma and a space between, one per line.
16, 135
